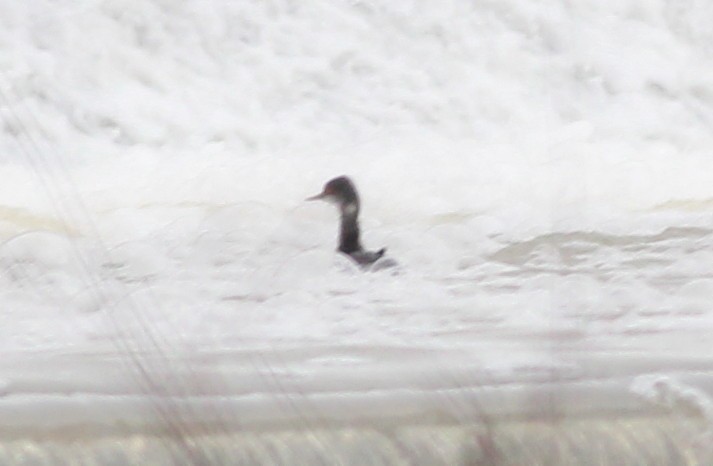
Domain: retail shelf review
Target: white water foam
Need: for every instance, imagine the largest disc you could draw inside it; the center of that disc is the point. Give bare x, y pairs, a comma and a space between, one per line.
542, 173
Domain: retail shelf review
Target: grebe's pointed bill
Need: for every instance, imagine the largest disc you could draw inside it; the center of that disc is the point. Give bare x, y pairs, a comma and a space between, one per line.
327, 194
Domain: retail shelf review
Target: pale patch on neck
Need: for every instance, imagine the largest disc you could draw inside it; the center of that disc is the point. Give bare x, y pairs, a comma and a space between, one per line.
350, 209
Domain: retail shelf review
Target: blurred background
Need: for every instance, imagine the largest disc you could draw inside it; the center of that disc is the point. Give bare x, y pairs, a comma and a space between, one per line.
542, 173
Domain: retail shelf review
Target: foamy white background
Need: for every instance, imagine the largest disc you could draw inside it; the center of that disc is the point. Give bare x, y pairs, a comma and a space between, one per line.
155, 156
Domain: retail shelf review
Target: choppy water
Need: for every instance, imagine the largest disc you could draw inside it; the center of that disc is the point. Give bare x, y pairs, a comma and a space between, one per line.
542, 173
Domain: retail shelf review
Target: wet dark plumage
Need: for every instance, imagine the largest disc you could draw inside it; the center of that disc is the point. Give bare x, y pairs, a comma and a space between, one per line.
342, 192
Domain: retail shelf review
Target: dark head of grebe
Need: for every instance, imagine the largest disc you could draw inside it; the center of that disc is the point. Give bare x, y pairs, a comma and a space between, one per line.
342, 192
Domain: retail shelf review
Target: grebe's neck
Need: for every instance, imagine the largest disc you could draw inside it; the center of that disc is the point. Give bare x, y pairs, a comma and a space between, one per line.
349, 228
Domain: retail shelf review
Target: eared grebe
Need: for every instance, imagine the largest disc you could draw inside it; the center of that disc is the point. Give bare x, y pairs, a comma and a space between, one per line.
342, 192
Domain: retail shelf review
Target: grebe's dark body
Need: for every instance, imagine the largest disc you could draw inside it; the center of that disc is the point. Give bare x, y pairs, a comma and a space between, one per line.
342, 192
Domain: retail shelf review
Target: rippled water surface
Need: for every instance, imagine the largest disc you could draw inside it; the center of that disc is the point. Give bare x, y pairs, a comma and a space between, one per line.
541, 173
